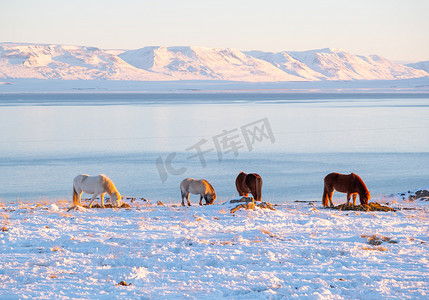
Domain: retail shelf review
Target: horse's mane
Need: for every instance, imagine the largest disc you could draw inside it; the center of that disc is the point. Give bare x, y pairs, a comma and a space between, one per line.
211, 187
109, 185
360, 182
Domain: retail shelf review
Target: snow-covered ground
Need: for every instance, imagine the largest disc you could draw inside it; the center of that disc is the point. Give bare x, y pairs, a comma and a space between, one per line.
299, 250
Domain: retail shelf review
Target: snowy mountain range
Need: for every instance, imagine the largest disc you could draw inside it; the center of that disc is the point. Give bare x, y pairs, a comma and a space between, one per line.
65, 62
422, 65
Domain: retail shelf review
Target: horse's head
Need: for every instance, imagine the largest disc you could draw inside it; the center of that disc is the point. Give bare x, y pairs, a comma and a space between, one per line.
116, 199
365, 199
210, 198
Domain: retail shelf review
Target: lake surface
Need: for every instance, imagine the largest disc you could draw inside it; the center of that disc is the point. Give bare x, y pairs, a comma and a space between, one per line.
148, 143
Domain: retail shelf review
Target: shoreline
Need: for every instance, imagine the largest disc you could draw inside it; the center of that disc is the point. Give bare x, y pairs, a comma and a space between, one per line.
46, 86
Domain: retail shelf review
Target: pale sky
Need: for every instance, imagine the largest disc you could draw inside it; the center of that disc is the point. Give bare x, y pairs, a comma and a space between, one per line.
395, 29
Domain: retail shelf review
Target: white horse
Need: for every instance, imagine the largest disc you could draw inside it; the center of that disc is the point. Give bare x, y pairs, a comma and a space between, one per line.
97, 185
201, 187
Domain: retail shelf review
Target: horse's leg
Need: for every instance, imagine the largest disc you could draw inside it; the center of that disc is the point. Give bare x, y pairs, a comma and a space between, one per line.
187, 199
243, 194
201, 199
93, 199
242, 191
185, 195
354, 199
79, 198
330, 194
252, 189
348, 199
102, 200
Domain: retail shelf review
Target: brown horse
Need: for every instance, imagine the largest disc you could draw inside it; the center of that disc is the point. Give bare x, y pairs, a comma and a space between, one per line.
249, 183
350, 184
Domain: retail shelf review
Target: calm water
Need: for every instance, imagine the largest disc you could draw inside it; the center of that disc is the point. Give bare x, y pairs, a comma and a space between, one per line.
291, 140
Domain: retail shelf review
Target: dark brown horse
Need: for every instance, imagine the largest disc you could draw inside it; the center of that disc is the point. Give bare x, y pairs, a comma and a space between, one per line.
249, 183
350, 184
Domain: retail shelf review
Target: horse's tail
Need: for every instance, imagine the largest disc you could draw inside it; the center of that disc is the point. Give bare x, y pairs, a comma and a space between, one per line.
184, 186
258, 188
75, 197
239, 182
328, 188
325, 198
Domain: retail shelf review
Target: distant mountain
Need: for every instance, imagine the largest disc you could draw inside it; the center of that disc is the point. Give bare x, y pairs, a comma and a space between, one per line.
422, 65
337, 64
194, 63
190, 63
67, 62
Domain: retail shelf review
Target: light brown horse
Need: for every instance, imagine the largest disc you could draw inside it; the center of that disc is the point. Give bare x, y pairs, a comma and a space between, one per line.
201, 187
350, 184
249, 183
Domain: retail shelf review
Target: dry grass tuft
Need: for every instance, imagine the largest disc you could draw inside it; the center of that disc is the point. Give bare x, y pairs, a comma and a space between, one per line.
64, 215
378, 240
270, 234
124, 283
197, 218
373, 206
108, 205
379, 248
265, 205
248, 205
